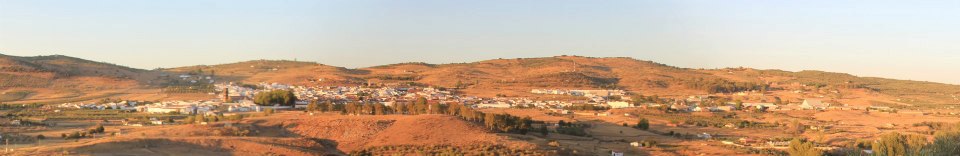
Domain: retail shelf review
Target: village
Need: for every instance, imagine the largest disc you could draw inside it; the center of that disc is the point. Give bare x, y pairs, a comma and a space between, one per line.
237, 99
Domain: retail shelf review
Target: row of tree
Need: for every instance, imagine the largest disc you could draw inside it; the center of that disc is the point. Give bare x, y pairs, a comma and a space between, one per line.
495, 122
723, 86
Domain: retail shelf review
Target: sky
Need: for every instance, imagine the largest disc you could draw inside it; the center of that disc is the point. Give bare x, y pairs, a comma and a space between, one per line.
915, 40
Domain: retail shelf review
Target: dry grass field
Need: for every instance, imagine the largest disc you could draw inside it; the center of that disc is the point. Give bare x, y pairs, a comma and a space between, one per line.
289, 133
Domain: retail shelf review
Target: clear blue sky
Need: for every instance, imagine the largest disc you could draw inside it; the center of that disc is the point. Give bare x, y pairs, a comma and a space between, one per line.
917, 40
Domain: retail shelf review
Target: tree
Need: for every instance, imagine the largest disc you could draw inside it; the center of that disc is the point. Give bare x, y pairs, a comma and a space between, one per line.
325, 106
796, 127
313, 106
896, 144
460, 85
41, 137
75, 135
543, 130
944, 143
643, 124
268, 111
802, 148
100, 128
281, 97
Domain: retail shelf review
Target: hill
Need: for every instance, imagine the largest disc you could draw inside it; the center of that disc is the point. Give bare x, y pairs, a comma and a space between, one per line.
289, 72
31, 78
62, 77
515, 77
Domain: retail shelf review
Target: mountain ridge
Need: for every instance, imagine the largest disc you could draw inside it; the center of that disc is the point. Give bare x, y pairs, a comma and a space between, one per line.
514, 77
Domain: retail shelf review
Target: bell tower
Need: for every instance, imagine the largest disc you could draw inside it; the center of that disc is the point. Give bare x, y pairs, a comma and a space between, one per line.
226, 95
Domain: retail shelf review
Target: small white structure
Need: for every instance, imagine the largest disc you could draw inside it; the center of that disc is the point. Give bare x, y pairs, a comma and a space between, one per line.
813, 104
619, 104
704, 136
493, 105
614, 153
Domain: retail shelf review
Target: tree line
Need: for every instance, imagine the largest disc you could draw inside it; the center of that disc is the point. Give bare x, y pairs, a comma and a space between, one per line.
722, 86
494, 122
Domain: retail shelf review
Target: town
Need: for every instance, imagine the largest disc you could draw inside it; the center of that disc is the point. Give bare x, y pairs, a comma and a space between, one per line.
238, 100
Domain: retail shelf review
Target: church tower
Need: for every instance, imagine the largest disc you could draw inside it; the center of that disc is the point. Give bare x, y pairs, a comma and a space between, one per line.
226, 95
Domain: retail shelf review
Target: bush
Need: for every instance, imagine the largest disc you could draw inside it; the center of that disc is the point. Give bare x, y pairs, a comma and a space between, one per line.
643, 124
802, 148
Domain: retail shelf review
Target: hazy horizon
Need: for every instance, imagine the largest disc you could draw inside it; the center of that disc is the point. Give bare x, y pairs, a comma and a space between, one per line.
889, 39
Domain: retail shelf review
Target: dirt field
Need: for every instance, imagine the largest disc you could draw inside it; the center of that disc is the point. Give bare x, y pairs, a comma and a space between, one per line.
289, 133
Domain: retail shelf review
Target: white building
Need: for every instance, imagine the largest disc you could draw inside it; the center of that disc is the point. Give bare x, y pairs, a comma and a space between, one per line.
813, 104
619, 104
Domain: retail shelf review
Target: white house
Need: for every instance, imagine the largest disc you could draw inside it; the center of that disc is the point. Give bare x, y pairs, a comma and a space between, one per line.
813, 104
162, 109
493, 105
619, 104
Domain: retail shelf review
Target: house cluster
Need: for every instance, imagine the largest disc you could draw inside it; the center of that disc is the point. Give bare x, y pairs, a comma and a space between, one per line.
697, 104
761, 143
407, 94
212, 107
122, 105
196, 78
181, 107
593, 95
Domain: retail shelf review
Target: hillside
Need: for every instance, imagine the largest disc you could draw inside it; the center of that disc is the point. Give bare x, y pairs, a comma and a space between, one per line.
32, 78
897, 91
515, 77
289, 72
62, 77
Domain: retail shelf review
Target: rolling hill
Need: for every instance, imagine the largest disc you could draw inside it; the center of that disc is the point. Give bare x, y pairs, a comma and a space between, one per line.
60, 77
509, 77
515, 77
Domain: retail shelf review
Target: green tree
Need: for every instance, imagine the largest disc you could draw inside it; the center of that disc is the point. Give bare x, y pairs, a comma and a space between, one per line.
896, 144
944, 143
281, 97
543, 130
802, 148
100, 128
643, 124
